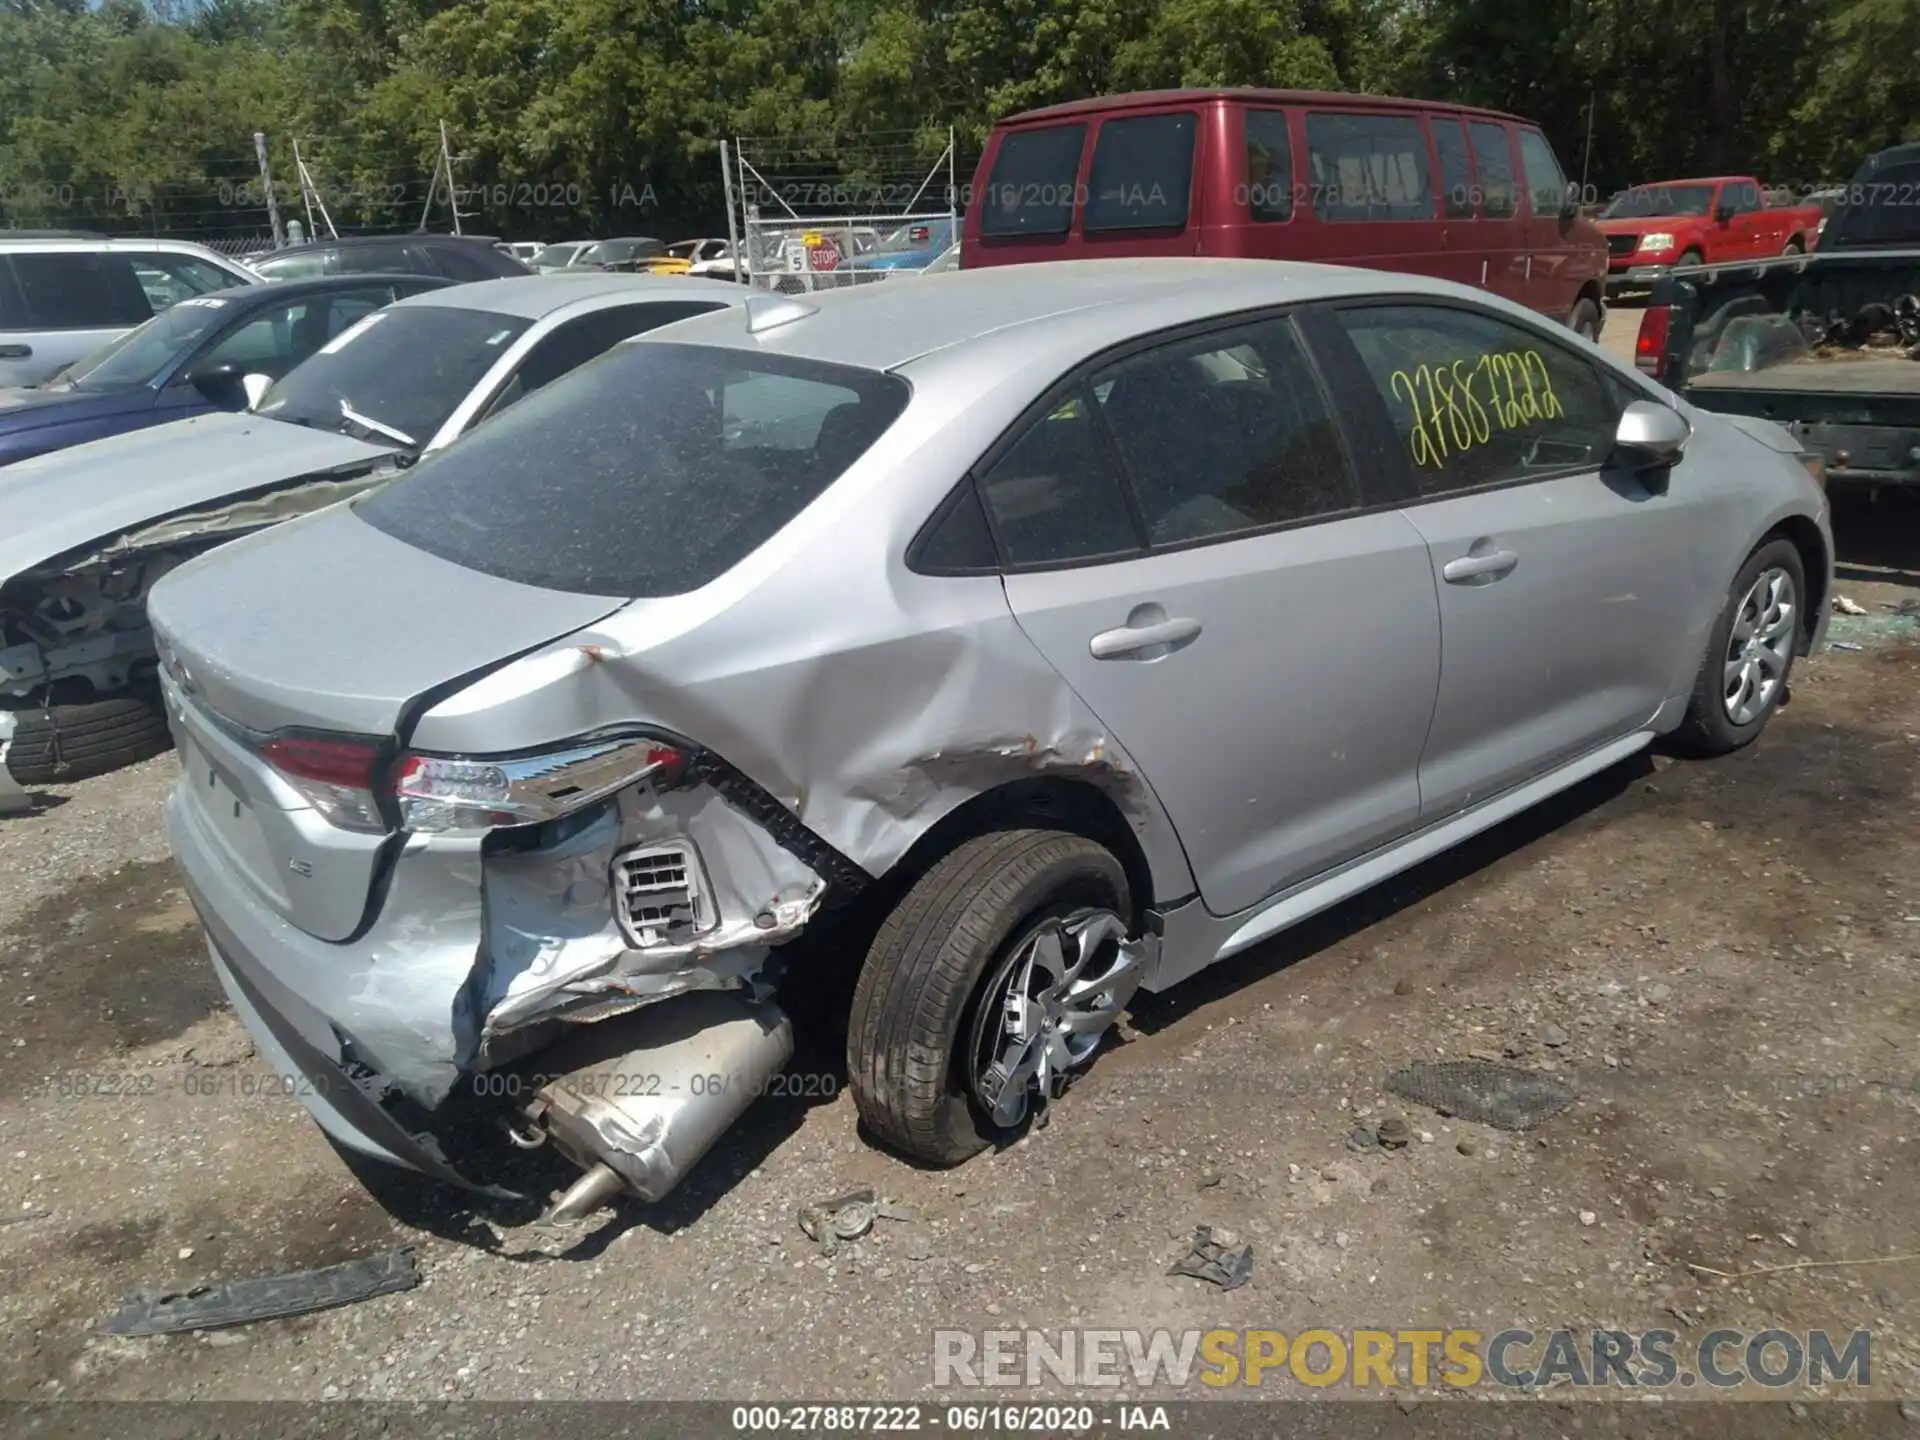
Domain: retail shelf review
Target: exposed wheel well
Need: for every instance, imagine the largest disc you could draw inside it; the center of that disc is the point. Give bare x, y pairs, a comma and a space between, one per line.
1044, 802
1806, 538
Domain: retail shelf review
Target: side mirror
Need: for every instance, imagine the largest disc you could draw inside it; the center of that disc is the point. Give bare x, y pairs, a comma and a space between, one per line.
1724, 213
221, 385
1650, 436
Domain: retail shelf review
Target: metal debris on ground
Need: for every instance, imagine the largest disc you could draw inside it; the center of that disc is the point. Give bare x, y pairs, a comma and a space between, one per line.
1496, 1095
1844, 606
848, 1217
265, 1297
1846, 645
1207, 1259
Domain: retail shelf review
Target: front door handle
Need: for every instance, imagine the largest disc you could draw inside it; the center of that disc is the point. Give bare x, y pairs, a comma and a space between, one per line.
16, 352
1469, 568
1129, 641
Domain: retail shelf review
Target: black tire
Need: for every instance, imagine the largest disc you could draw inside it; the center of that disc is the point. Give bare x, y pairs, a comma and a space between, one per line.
1708, 730
923, 975
1585, 320
1691, 260
1794, 247
73, 742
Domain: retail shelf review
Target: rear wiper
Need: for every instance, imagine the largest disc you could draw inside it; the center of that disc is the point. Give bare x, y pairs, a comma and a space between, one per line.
366, 422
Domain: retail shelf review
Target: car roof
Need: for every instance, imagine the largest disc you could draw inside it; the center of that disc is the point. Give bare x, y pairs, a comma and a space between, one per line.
1141, 99
533, 297
410, 237
1064, 309
283, 290
111, 243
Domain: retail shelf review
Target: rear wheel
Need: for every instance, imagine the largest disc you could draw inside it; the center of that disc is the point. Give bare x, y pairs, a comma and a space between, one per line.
992, 980
1794, 247
73, 742
1743, 677
1585, 320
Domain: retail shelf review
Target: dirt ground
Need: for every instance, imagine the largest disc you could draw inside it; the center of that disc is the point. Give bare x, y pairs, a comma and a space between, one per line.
1721, 958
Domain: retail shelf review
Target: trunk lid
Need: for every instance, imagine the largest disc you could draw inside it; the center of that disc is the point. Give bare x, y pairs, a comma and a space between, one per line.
324, 624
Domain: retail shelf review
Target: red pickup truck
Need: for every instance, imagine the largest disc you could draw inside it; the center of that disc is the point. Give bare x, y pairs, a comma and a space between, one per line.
1652, 229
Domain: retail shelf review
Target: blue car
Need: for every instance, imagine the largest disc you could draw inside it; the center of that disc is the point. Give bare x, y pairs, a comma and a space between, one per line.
912, 247
197, 356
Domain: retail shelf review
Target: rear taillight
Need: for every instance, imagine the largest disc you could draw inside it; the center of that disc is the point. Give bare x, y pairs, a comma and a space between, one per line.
335, 773
446, 793
1651, 346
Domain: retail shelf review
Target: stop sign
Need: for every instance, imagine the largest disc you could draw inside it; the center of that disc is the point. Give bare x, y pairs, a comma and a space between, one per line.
824, 256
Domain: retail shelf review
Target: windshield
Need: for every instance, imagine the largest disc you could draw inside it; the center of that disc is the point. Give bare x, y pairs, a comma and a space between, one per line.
397, 375
143, 352
918, 236
1647, 202
577, 488
612, 252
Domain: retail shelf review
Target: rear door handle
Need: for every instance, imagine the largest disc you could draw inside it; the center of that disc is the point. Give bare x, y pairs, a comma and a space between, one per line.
1128, 641
1477, 567
16, 352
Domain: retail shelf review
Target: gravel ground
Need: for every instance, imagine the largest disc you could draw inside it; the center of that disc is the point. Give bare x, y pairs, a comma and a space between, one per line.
1719, 958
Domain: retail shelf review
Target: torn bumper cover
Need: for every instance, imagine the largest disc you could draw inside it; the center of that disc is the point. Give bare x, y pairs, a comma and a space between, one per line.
437, 1039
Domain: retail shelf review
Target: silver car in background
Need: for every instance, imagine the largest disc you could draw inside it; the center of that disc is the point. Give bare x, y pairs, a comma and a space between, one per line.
1026, 635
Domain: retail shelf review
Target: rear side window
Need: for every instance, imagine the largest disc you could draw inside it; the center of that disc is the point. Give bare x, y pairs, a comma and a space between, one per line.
169, 279
1142, 173
1478, 400
77, 290
13, 310
1545, 183
579, 488
1269, 165
1225, 434
1056, 495
1493, 159
1033, 185
1456, 179
1369, 167
467, 262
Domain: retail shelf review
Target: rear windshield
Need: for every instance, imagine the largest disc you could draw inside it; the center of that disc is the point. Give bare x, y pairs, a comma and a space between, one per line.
1881, 208
1032, 188
649, 471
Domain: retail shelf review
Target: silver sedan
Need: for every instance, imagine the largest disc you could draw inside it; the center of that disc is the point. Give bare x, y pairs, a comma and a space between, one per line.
1023, 636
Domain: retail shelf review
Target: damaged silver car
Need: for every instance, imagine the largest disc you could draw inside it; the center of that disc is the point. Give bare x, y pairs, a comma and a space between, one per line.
1023, 637
88, 530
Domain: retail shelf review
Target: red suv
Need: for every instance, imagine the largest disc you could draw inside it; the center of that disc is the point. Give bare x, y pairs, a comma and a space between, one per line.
1414, 185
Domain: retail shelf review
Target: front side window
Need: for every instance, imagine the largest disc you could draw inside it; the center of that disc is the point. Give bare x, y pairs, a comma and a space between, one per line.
1142, 173
1033, 185
1269, 165
1545, 183
1225, 434
1493, 159
1479, 401
649, 472
1369, 167
79, 290
1056, 496
168, 279
397, 375
275, 340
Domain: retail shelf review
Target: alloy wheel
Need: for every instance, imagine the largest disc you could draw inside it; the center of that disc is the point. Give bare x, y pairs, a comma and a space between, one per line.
1760, 647
1045, 1006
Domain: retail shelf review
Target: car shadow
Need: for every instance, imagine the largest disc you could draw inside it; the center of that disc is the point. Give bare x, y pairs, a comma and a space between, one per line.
1150, 1014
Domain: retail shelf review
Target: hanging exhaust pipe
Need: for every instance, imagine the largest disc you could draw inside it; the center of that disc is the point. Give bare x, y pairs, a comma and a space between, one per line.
636, 1101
